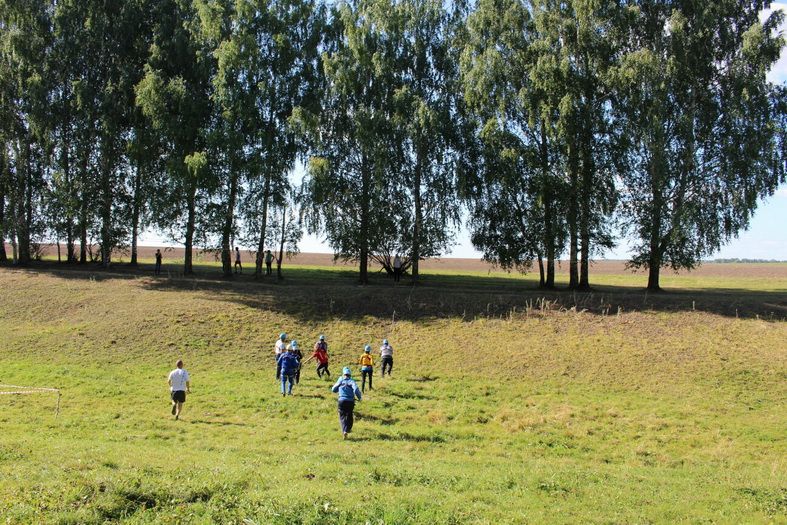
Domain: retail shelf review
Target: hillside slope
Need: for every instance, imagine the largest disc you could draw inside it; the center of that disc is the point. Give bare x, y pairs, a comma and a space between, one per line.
503, 406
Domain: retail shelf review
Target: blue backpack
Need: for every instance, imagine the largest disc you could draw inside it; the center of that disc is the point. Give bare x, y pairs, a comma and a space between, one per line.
289, 363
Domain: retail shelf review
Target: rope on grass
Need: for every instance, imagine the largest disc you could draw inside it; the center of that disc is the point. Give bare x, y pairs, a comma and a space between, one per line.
26, 390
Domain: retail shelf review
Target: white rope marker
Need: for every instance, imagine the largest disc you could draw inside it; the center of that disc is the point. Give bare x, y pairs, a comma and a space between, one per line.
26, 390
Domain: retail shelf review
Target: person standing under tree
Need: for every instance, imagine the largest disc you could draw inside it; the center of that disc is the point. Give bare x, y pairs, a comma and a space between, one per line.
158, 262
348, 392
397, 268
238, 267
386, 357
367, 367
178, 387
268, 263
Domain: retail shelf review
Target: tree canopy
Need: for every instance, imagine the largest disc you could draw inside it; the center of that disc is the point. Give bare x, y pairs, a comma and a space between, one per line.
550, 128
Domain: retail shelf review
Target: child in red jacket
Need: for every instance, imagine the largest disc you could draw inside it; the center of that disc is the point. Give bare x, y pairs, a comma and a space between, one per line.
321, 355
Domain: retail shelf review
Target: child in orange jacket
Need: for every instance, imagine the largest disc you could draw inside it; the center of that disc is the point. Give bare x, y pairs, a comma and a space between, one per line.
367, 367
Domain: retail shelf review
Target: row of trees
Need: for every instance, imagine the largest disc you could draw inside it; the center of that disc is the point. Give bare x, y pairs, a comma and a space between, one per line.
555, 124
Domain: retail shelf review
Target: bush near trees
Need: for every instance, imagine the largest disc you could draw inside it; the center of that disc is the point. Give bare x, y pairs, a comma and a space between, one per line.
554, 124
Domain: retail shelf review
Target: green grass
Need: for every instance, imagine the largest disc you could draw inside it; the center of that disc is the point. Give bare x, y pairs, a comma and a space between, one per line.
507, 405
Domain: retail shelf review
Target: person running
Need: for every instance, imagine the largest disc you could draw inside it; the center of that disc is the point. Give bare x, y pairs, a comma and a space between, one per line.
321, 355
238, 266
348, 392
179, 385
268, 263
295, 349
386, 357
397, 267
158, 262
367, 367
289, 368
280, 348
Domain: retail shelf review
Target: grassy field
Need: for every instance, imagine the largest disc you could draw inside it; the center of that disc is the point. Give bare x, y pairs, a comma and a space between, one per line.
507, 404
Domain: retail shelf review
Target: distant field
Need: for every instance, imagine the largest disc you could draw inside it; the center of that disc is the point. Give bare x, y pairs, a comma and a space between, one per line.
507, 404
174, 256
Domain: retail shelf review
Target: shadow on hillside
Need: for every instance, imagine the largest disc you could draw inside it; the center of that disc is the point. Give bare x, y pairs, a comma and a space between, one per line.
318, 295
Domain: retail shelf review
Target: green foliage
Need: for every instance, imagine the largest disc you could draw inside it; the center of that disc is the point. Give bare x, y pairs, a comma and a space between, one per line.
704, 127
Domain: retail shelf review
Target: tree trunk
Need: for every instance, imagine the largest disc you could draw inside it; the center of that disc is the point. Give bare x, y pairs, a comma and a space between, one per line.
106, 204
549, 220
364, 233
541, 280
24, 204
85, 154
586, 195
573, 274
654, 262
65, 160
70, 251
191, 203
3, 180
58, 249
135, 212
229, 218
418, 226
263, 226
83, 232
281, 242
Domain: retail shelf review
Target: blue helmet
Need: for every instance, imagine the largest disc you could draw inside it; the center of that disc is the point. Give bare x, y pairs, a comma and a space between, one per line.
385, 341
322, 337
367, 348
346, 371
294, 343
282, 336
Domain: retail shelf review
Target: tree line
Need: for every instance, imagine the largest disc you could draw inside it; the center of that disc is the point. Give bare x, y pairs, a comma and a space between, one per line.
551, 125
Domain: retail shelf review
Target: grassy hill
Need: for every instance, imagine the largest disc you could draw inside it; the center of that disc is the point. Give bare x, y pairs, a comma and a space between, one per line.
507, 404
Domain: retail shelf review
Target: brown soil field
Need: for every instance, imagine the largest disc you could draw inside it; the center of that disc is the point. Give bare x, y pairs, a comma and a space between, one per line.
604, 267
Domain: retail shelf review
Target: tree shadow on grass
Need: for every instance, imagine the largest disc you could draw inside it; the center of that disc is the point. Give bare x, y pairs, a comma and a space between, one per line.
317, 295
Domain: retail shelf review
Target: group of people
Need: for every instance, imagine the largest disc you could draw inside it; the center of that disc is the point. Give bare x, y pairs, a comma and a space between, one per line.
289, 360
267, 257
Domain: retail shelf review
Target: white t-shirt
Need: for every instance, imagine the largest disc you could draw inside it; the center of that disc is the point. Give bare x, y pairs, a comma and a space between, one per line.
178, 378
281, 346
386, 350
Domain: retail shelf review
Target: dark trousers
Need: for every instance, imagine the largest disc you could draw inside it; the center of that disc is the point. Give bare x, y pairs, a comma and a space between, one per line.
278, 369
387, 361
397, 274
158, 267
364, 374
298, 376
268, 270
346, 415
323, 369
238, 267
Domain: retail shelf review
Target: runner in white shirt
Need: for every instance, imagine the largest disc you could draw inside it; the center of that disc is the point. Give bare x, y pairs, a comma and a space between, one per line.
281, 346
178, 385
386, 356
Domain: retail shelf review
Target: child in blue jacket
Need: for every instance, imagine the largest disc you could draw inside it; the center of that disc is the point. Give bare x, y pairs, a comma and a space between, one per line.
290, 364
348, 390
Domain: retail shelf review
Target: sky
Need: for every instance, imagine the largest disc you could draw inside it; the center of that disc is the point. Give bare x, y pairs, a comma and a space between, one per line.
766, 237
